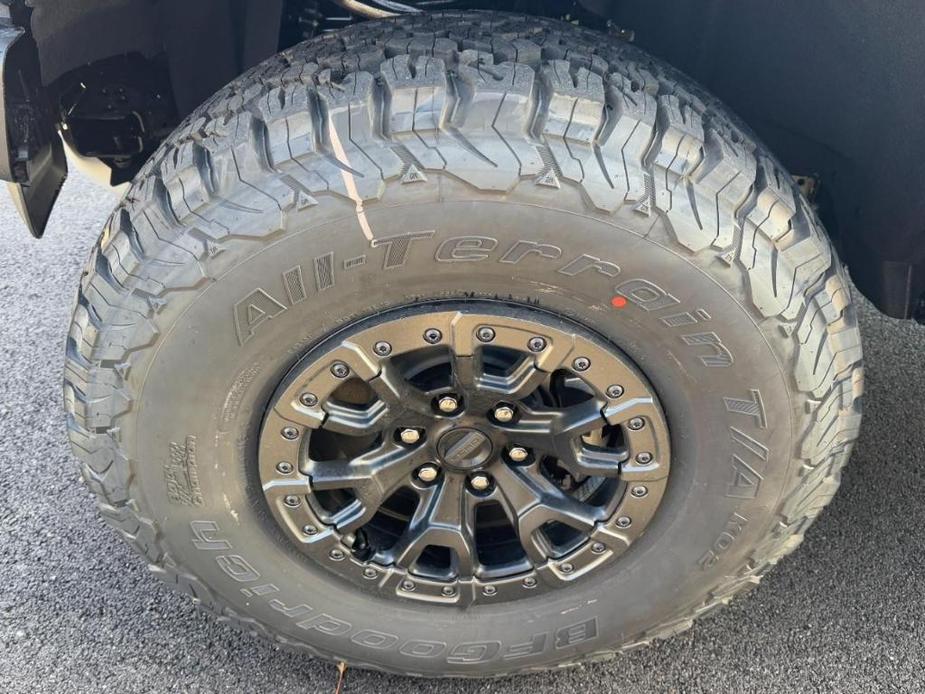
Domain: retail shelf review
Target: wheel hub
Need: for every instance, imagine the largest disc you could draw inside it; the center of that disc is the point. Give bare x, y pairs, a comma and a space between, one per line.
464, 449
476, 453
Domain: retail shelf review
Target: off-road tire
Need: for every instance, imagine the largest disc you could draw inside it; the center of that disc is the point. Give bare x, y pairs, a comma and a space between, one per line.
726, 294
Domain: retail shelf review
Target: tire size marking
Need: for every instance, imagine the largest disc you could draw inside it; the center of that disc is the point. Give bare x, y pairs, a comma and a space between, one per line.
260, 306
207, 536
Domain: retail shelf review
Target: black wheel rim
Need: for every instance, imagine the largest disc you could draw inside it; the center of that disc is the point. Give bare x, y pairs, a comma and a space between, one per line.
473, 453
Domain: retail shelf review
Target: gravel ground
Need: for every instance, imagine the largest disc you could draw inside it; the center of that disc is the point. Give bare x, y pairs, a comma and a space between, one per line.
80, 613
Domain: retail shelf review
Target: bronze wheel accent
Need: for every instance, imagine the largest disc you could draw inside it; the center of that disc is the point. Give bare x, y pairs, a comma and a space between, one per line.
493, 463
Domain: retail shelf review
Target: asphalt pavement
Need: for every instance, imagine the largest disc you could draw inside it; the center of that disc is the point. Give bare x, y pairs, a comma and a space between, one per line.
79, 611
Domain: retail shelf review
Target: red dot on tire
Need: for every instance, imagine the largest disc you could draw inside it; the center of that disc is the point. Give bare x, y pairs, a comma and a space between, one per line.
618, 302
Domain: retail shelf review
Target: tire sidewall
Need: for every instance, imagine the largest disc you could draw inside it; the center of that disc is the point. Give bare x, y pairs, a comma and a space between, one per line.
685, 324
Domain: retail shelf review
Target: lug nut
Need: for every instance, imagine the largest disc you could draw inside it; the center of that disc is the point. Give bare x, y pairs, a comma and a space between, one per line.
639, 491
614, 391
536, 344
645, 457
485, 334
448, 404
581, 364
382, 348
432, 336
290, 433
284, 468
480, 482
340, 369
292, 501
308, 399
503, 414
636, 423
410, 436
428, 473
518, 454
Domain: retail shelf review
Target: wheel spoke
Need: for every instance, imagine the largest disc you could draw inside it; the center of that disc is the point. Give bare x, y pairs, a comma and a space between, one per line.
351, 421
521, 382
445, 517
531, 501
373, 478
399, 397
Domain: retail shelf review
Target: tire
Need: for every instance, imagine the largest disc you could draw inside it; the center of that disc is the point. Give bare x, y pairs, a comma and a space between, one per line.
462, 156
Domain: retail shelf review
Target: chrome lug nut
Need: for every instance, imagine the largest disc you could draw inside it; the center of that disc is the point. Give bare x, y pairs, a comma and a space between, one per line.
518, 454
536, 344
432, 336
503, 413
480, 482
283, 467
308, 399
448, 404
410, 436
428, 473
382, 348
581, 364
290, 433
485, 334
636, 423
615, 391
340, 370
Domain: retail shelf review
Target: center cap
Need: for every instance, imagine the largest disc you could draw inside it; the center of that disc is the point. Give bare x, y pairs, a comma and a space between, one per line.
464, 448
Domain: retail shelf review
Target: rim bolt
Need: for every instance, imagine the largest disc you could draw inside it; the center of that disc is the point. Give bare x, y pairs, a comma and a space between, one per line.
480, 482
292, 501
410, 436
428, 473
485, 334
336, 554
432, 336
636, 423
598, 547
529, 582
624, 522
284, 468
309, 529
639, 491
370, 573
407, 586
340, 369
448, 404
614, 391
489, 590
503, 413
308, 399
518, 454
536, 344
448, 591
383, 349
567, 568
581, 364
289, 433
644, 457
